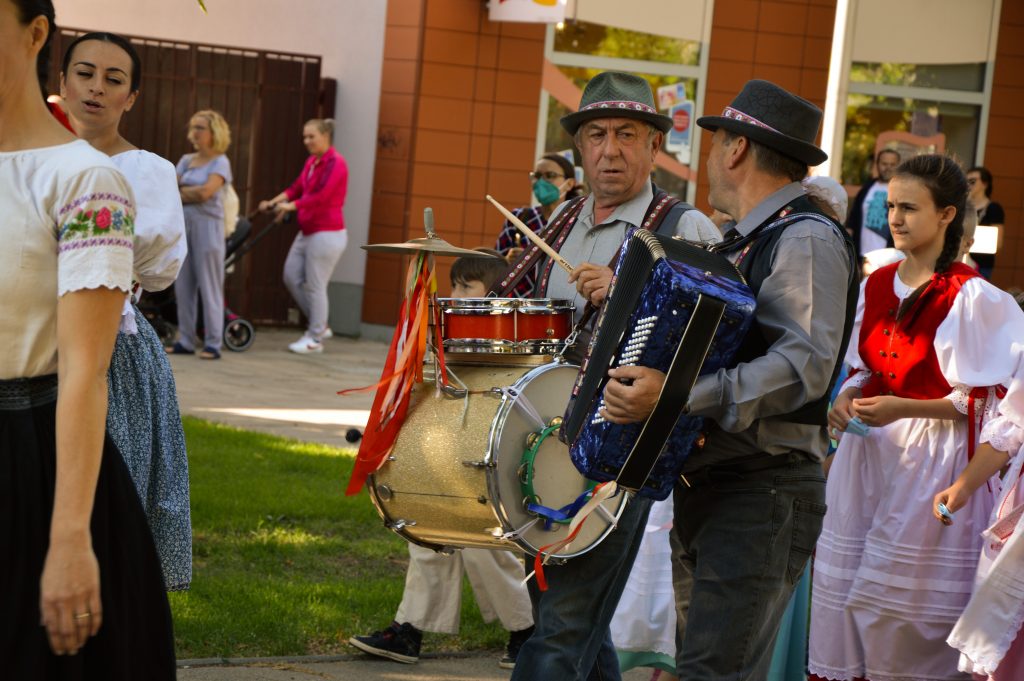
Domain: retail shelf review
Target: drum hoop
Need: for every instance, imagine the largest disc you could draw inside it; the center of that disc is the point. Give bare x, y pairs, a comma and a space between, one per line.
551, 308
502, 347
499, 506
529, 464
468, 306
485, 343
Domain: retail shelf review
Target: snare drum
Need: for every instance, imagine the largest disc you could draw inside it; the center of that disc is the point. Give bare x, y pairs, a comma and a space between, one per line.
504, 325
466, 482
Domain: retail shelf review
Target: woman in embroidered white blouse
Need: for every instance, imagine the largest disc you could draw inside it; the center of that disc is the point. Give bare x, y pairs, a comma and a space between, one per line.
100, 80
78, 557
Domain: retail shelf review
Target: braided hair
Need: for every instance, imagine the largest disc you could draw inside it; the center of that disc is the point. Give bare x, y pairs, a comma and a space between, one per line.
947, 185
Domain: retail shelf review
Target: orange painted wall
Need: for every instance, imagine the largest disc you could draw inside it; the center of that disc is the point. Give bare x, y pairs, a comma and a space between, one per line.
458, 120
1004, 149
786, 42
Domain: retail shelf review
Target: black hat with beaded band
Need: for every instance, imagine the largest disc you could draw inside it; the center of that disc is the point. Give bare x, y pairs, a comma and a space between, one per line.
616, 95
778, 119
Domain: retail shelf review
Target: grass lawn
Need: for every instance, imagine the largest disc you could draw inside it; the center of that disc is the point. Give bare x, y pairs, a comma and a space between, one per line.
284, 562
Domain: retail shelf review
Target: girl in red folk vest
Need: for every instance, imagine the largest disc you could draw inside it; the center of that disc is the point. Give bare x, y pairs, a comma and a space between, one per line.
932, 348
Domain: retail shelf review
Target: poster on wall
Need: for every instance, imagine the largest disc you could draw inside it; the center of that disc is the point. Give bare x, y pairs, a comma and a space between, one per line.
682, 121
536, 11
670, 95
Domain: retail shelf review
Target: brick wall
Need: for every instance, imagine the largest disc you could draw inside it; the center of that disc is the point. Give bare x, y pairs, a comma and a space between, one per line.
458, 120
788, 43
1004, 149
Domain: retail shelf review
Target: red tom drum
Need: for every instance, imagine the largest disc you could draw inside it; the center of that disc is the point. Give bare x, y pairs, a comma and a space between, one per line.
505, 325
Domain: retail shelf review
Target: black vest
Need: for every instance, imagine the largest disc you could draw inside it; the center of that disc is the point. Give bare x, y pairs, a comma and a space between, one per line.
756, 266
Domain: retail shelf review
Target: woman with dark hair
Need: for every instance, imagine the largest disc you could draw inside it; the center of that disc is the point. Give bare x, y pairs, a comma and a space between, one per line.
554, 180
318, 197
932, 347
78, 559
990, 213
99, 81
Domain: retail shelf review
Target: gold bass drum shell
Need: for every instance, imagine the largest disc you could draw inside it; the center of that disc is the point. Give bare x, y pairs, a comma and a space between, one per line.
452, 480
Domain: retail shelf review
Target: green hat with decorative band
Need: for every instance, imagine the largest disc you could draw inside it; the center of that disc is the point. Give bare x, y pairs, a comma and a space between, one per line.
616, 95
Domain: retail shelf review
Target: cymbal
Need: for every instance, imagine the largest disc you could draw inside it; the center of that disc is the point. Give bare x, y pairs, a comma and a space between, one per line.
430, 244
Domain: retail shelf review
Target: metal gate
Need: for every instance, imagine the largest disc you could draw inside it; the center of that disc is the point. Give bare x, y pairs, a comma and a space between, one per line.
265, 98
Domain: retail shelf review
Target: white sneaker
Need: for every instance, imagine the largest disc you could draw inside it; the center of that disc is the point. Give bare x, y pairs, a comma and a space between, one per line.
306, 345
327, 334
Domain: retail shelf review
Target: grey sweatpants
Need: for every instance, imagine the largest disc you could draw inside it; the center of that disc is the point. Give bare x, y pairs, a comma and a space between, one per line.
202, 272
307, 271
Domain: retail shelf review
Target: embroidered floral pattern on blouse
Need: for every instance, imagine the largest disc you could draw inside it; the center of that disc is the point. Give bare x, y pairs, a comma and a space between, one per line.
85, 225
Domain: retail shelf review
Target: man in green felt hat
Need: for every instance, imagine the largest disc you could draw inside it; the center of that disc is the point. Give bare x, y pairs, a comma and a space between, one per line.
750, 505
618, 133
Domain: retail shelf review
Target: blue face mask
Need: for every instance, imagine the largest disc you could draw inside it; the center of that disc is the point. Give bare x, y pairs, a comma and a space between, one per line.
546, 192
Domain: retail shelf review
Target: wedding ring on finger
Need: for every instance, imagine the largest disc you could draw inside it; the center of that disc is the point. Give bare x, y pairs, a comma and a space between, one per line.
84, 615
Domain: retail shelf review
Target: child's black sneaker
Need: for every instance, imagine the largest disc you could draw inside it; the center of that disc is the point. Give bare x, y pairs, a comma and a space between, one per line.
399, 642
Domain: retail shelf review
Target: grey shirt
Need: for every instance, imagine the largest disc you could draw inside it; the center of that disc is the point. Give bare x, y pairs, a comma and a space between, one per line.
801, 307
598, 244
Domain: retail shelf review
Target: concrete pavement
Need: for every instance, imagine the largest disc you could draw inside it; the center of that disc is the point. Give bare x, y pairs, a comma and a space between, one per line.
269, 389
351, 668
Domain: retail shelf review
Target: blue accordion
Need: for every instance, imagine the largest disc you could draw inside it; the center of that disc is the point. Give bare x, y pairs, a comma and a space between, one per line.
672, 306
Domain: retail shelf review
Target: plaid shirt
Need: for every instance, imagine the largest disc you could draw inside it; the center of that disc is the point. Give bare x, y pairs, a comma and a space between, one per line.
510, 238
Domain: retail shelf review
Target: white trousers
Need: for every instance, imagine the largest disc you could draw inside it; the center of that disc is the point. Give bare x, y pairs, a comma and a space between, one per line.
432, 599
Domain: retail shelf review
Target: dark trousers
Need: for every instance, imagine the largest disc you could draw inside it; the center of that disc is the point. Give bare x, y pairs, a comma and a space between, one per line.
571, 640
741, 541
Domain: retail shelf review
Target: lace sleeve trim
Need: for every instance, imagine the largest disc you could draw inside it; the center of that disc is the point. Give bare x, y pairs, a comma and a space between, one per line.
1003, 434
961, 396
858, 379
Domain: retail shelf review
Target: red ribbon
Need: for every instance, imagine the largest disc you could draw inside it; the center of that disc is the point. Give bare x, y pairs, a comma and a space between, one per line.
978, 394
401, 371
538, 560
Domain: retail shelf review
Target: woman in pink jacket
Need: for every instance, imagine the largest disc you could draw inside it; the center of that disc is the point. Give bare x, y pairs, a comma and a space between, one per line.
317, 195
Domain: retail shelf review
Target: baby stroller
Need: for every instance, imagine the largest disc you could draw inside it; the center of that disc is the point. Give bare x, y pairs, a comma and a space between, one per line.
160, 309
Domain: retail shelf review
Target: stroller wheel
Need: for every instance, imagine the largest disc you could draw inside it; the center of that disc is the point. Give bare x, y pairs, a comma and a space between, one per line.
238, 335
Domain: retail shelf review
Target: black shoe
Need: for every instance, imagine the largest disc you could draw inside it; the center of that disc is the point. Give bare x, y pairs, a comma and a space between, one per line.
516, 639
399, 642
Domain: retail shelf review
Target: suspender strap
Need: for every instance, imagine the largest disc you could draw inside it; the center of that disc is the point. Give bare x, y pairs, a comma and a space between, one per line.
554, 234
656, 218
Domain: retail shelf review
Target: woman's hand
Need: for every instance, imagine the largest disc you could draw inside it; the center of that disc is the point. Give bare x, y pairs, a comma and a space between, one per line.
987, 461
879, 411
265, 206
954, 497
841, 412
285, 207
69, 595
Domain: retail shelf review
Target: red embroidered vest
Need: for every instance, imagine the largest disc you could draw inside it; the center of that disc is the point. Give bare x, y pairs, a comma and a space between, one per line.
899, 351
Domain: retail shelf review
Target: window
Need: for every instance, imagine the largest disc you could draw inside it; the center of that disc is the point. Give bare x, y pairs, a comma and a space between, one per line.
580, 50
869, 115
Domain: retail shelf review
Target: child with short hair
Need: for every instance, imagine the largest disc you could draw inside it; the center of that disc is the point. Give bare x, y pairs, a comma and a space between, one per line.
473, 277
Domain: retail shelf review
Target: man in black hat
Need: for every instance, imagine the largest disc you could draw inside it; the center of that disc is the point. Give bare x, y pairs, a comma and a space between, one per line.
618, 133
749, 508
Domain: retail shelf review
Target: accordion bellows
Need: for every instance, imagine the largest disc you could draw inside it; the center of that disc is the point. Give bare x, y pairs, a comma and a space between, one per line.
672, 306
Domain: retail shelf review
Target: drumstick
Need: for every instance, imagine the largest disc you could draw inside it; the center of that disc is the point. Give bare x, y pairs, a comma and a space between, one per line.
538, 242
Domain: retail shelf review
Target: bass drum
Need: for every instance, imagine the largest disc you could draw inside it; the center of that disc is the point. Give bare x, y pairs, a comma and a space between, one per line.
463, 470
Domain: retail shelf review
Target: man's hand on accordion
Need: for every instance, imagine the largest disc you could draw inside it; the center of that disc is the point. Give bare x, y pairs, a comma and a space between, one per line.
592, 281
631, 394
